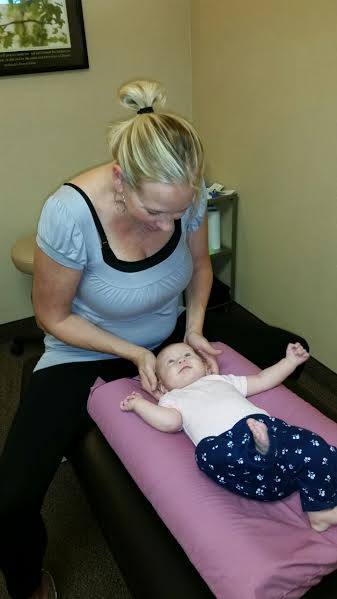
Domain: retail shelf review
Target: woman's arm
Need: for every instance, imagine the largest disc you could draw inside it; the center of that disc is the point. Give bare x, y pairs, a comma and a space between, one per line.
54, 288
199, 288
197, 294
163, 419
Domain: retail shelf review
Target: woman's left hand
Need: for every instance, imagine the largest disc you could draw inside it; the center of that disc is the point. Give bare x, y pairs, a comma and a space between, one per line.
203, 347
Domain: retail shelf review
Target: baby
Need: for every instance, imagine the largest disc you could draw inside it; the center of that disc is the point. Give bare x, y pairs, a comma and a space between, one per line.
240, 446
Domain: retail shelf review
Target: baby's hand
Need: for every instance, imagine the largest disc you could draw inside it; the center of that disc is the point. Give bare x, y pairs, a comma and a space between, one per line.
296, 354
128, 404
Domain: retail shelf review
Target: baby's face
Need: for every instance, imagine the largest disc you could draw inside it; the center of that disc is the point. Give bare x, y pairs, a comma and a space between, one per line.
178, 365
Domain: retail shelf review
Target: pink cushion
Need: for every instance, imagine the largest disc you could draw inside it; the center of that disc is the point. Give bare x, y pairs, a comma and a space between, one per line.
242, 548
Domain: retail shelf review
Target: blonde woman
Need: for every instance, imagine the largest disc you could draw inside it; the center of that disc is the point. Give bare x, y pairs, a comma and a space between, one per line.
117, 246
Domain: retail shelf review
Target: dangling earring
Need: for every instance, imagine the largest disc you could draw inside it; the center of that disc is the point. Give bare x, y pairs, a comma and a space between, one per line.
120, 204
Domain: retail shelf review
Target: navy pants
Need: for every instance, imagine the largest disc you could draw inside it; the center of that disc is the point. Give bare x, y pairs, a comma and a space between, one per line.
297, 460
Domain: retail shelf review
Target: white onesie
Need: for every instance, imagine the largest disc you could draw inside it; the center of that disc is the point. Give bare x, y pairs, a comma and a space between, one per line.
211, 405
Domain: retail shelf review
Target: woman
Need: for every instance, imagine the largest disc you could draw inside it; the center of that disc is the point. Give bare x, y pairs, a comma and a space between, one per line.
116, 248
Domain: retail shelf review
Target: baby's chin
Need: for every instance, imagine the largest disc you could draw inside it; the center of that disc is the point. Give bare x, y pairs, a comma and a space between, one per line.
183, 382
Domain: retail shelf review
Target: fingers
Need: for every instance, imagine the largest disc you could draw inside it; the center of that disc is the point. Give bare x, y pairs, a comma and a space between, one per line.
212, 365
298, 351
127, 404
124, 405
148, 381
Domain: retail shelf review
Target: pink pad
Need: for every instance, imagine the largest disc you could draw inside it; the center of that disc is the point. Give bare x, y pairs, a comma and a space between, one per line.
242, 548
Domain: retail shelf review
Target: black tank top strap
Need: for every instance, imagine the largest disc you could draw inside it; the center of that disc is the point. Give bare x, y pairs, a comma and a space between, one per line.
98, 224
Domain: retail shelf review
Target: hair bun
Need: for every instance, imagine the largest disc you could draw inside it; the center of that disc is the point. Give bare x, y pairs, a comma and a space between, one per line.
141, 94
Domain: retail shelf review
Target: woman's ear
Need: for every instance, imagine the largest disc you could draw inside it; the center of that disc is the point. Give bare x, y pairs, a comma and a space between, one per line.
117, 177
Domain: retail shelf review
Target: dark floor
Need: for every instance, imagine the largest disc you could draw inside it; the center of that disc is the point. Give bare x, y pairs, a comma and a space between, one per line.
77, 553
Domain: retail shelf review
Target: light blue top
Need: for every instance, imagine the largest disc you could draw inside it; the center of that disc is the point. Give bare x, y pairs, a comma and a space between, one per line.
137, 301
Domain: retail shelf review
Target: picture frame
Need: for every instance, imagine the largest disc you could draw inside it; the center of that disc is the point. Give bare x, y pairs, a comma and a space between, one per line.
41, 36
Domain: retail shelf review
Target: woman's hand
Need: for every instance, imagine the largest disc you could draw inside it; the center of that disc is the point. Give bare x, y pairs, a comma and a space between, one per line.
145, 361
200, 344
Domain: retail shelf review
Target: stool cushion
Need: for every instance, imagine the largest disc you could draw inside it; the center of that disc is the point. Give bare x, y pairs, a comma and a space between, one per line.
22, 254
242, 548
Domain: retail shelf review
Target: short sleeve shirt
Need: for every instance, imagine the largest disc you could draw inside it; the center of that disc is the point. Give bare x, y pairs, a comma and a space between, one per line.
136, 301
211, 405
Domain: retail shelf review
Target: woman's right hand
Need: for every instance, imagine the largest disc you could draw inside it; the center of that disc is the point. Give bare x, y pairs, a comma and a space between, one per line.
145, 361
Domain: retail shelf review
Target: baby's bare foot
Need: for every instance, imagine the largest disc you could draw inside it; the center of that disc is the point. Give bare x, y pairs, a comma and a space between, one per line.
260, 434
322, 520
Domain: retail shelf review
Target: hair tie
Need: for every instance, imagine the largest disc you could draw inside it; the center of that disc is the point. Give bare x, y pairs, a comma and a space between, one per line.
146, 109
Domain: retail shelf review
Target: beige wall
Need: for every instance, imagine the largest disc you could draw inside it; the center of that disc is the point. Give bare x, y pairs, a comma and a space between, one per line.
264, 98
54, 124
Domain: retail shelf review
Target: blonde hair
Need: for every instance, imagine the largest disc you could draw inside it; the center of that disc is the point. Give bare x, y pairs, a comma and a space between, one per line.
155, 146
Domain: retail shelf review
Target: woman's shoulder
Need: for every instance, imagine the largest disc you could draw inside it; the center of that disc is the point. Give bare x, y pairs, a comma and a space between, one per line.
67, 202
195, 214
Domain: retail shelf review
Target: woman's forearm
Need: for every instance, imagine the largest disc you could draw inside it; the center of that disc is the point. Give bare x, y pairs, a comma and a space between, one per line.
79, 332
197, 294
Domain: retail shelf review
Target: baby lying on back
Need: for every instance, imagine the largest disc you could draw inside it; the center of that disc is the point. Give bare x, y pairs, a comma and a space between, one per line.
242, 447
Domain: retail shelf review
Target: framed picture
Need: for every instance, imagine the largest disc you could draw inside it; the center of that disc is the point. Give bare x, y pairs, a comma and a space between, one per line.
41, 35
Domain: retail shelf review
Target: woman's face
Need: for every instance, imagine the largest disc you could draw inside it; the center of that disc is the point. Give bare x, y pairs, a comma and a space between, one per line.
158, 205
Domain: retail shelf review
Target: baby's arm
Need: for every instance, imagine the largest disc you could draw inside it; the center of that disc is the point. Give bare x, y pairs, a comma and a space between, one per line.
163, 419
276, 374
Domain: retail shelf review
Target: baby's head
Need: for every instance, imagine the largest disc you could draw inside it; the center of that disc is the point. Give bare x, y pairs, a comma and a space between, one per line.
178, 366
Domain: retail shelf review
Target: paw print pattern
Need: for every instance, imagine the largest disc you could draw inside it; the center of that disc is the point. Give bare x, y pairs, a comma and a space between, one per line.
307, 459
321, 492
298, 450
332, 448
260, 477
315, 442
257, 458
215, 447
284, 451
259, 491
230, 444
325, 461
327, 478
296, 436
311, 474
204, 457
240, 461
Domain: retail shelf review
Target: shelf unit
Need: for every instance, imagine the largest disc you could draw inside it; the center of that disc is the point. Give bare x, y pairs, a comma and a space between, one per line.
227, 204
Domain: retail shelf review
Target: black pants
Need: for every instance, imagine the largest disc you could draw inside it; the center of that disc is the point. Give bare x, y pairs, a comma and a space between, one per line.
50, 420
